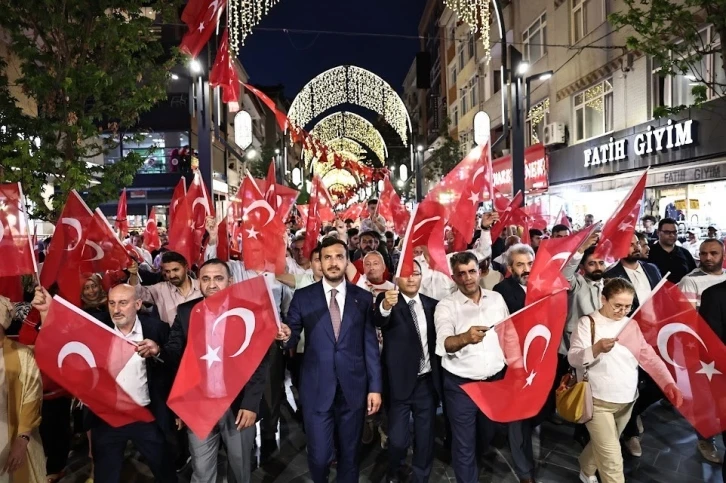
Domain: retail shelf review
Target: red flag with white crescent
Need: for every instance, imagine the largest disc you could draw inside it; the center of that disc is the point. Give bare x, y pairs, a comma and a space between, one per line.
229, 335
102, 251
16, 249
180, 192
263, 233
391, 208
201, 17
426, 228
224, 75
151, 233
122, 221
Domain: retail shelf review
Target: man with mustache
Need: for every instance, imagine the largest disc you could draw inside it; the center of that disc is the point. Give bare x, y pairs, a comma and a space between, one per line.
520, 258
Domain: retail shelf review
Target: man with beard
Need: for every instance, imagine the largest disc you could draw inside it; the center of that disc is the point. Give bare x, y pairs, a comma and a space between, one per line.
469, 352
520, 259
370, 241
710, 273
177, 288
669, 257
340, 380
644, 277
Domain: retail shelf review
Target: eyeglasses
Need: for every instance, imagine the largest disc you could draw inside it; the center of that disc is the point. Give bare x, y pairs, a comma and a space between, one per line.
620, 307
669, 232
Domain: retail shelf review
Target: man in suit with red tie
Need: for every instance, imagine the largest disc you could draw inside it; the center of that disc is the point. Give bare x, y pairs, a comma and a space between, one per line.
412, 374
340, 379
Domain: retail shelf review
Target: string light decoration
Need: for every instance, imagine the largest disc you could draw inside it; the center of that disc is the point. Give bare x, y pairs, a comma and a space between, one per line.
243, 16
340, 177
535, 116
348, 84
352, 126
346, 145
475, 14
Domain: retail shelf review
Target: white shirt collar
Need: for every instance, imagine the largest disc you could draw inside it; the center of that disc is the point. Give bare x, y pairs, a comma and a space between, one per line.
327, 287
135, 330
639, 268
408, 299
463, 299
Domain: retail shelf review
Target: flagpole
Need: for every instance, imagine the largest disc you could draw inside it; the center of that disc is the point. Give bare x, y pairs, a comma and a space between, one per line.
526, 307
640, 306
27, 230
405, 241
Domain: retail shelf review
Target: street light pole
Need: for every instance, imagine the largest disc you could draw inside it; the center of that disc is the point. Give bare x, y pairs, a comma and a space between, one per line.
419, 173
517, 68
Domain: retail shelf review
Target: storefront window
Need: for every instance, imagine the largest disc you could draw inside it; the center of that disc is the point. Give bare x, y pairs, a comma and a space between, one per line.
594, 111
160, 150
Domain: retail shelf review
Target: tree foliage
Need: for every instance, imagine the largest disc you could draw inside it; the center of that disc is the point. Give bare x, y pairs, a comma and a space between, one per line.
259, 167
671, 33
444, 158
91, 68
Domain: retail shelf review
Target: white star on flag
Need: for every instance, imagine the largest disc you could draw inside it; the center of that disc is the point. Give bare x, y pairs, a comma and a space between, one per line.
211, 356
530, 379
708, 369
536, 284
474, 198
624, 226
251, 233
201, 26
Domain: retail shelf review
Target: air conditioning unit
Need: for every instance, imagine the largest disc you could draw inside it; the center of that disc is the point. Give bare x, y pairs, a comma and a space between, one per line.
554, 133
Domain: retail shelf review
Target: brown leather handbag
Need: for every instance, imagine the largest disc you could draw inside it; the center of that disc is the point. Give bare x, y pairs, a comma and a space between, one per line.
574, 399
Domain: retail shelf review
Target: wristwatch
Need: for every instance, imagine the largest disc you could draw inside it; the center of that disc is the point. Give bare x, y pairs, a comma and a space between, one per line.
25, 437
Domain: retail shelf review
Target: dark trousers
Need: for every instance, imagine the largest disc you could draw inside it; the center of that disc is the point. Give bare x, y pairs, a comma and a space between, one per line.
108, 445
55, 432
470, 426
343, 422
422, 405
648, 394
274, 391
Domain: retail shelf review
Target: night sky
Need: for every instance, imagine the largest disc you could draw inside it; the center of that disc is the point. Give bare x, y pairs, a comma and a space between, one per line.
293, 59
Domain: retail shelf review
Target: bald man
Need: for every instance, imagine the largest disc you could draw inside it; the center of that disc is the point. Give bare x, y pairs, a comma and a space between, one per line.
146, 381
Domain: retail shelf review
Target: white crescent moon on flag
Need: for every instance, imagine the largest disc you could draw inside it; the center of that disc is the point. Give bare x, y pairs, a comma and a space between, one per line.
422, 223
97, 248
2, 231
538, 330
249, 319
264, 205
667, 332
204, 203
76, 225
477, 173
75, 347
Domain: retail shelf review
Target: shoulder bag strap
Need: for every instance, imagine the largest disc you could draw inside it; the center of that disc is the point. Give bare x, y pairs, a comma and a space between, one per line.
592, 342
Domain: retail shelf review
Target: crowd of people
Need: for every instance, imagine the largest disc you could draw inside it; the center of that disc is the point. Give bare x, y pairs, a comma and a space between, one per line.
366, 352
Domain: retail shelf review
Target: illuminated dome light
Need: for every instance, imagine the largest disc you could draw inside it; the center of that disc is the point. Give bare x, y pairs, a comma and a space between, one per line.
340, 145
352, 126
322, 168
348, 84
339, 177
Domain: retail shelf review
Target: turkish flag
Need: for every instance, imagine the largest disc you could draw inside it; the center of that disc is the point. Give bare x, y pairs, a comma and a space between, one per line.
562, 219
303, 211
102, 250
354, 211
529, 339
223, 241
391, 208
314, 216
513, 215
463, 218
65, 254
617, 233
693, 353
86, 357
122, 221
151, 233
552, 256
324, 202
181, 232
223, 74
425, 228
180, 192
200, 206
471, 172
285, 197
201, 17
281, 118
229, 335
16, 249
263, 233
537, 215
12, 288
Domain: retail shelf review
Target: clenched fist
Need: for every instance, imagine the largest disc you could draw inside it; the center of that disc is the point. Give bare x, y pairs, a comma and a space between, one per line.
390, 299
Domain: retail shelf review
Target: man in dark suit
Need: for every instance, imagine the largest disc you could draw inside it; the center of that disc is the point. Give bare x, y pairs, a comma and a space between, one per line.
237, 427
644, 276
340, 379
148, 382
412, 373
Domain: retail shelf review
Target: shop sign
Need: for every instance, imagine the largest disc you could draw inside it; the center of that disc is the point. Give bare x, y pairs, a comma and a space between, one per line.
535, 170
137, 193
652, 141
689, 175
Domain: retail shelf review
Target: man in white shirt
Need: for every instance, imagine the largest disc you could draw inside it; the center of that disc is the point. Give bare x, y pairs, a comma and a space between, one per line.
470, 353
136, 242
299, 264
374, 222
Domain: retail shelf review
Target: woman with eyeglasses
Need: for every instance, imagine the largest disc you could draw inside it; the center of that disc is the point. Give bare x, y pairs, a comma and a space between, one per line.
612, 364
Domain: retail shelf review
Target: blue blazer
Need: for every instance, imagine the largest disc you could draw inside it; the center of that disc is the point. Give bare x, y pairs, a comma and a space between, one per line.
651, 272
353, 361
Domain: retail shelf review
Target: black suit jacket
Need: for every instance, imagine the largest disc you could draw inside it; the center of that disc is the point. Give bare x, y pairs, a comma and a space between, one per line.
513, 293
713, 308
401, 346
158, 375
250, 396
651, 272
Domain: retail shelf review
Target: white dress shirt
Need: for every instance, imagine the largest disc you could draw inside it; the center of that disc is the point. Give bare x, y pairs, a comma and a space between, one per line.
455, 315
640, 282
422, 326
340, 296
295, 269
132, 378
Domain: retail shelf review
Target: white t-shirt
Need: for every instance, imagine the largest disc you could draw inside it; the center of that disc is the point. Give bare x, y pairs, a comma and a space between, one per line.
693, 284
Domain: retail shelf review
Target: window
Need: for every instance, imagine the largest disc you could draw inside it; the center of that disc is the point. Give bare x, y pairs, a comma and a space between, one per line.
464, 105
472, 95
472, 50
452, 35
460, 54
162, 151
594, 111
587, 15
497, 76
455, 115
452, 75
534, 39
537, 118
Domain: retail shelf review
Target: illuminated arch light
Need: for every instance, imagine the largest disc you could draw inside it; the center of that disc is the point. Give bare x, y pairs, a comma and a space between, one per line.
352, 126
340, 177
348, 84
341, 145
